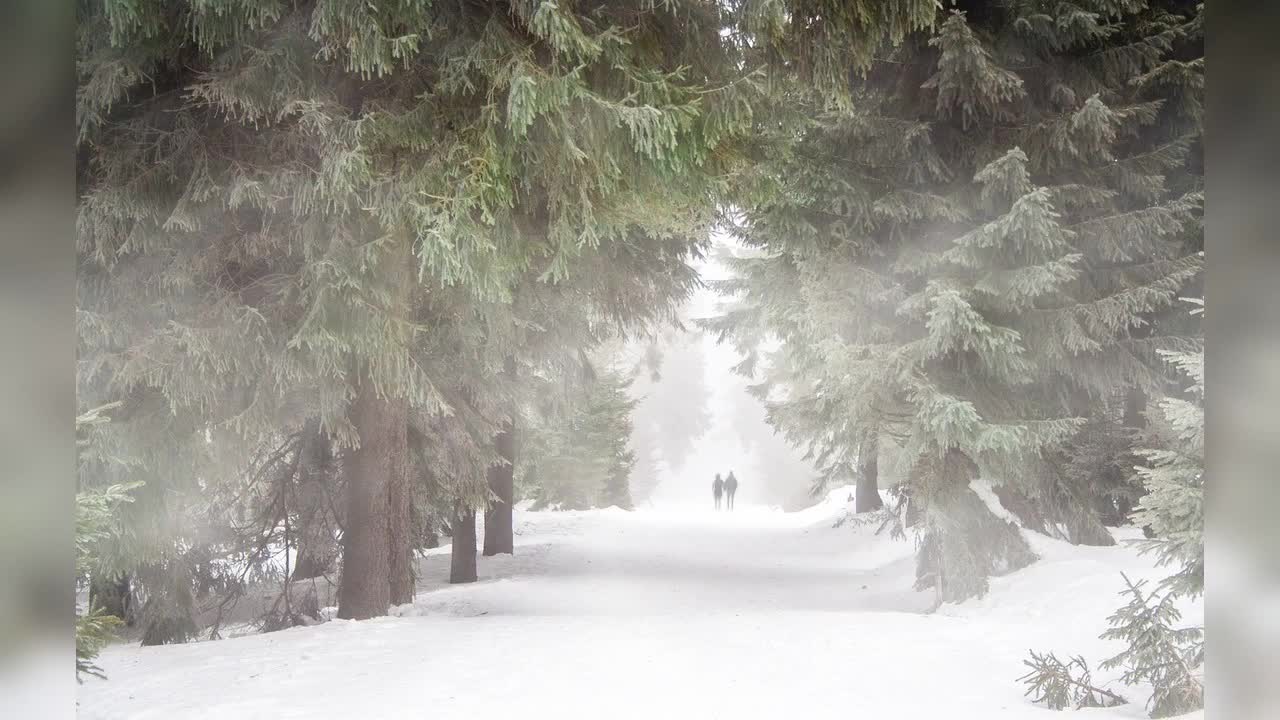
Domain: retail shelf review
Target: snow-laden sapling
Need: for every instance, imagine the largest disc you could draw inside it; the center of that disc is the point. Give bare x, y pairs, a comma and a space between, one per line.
1061, 685
1173, 477
1158, 653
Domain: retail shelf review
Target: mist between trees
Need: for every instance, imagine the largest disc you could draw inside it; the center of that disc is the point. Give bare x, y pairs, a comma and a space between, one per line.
353, 274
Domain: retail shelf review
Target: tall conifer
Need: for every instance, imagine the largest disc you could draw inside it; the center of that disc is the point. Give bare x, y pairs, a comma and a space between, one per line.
272, 193
964, 249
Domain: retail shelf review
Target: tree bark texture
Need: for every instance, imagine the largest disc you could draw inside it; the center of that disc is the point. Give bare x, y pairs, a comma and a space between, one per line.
867, 489
365, 588
498, 532
499, 536
400, 541
115, 596
462, 565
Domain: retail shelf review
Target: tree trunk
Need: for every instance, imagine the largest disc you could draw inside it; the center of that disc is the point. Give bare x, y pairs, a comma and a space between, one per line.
317, 542
115, 596
498, 535
400, 563
462, 565
498, 532
866, 492
375, 552
365, 590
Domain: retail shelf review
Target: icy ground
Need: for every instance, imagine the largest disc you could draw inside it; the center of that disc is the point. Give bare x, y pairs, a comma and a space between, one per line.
659, 614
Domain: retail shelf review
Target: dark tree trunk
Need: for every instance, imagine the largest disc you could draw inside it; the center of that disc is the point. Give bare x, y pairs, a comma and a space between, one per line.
1135, 408
400, 505
498, 535
365, 590
462, 565
867, 490
317, 542
166, 617
913, 515
498, 532
115, 596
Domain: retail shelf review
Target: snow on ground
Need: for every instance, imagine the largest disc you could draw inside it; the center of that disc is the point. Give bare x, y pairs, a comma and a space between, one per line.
679, 614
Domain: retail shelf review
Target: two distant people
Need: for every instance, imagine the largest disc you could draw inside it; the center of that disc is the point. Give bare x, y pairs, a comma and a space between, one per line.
726, 488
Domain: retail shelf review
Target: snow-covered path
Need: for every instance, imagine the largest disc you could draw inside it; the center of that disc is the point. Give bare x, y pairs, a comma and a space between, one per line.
757, 614
661, 564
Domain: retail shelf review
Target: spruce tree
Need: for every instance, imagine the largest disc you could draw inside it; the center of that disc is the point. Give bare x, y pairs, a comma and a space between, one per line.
1173, 477
274, 195
1158, 652
963, 251
498, 532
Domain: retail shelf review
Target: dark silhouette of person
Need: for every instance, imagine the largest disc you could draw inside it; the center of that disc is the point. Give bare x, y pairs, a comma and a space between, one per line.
717, 489
730, 489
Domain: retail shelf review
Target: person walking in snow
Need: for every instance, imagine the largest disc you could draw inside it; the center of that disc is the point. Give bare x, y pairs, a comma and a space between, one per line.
717, 489
730, 489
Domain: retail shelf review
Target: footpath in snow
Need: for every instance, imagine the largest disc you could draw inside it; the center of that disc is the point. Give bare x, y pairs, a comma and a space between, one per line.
653, 614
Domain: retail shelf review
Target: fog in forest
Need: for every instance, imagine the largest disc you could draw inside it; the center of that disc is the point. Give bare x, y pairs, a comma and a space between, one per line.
695, 359
698, 419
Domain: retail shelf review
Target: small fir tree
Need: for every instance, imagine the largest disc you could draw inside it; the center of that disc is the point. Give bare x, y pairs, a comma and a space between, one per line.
1173, 476
1158, 653
95, 523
